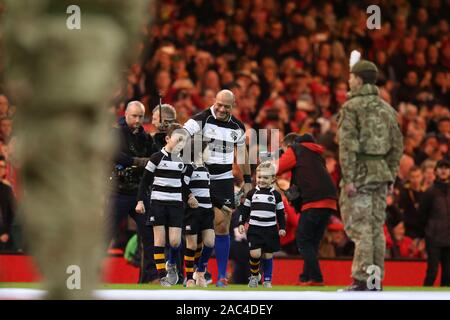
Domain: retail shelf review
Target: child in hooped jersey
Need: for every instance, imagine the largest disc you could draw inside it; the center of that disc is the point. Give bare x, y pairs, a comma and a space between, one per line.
199, 216
164, 173
263, 208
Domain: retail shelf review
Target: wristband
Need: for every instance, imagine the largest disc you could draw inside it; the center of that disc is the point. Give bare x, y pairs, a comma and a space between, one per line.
247, 178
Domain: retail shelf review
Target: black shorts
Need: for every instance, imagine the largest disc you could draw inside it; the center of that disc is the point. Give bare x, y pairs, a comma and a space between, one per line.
224, 191
166, 215
265, 238
197, 220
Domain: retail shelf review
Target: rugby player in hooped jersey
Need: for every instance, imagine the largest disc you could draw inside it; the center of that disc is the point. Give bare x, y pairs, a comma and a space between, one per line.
226, 135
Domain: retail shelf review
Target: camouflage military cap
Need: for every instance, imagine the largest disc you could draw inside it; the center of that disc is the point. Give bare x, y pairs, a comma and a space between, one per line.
364, 65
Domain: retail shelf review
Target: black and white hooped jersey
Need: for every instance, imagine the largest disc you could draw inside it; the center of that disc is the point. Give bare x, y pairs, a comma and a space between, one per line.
197, 181
223, 136
263, 207
164, 173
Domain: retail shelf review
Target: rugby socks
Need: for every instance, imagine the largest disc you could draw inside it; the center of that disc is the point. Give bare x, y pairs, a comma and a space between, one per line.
267, 267
189, 263
222, 252
203, 262
198, 252
174, 254
254, 266
160, 261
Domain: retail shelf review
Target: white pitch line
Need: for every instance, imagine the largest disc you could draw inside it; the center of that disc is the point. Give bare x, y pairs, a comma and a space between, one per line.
33, 294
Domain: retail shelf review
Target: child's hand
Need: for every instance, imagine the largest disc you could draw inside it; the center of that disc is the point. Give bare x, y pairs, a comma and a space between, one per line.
140, 208
193, 202
241, 229
226, 210
282, 232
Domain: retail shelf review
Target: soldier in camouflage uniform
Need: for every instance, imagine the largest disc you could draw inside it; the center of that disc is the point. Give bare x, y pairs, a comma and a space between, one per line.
370, 147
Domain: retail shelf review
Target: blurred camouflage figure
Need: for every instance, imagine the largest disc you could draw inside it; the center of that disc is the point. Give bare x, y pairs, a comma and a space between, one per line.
370, 147
62, 80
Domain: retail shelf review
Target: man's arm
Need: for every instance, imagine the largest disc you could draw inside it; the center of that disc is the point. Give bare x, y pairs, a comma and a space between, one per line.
425, 206
287, 161
348, 144
394, 155
243, 160
193, 126
244, 209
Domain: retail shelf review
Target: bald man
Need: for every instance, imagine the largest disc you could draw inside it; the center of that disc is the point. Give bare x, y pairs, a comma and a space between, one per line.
226, 135
135, 149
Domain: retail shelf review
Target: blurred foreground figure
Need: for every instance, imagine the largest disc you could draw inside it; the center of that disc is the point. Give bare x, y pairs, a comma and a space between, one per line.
62, 80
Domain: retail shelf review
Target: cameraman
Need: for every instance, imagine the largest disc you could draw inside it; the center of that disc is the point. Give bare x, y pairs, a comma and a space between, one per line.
135, 149
313, 193
169, 116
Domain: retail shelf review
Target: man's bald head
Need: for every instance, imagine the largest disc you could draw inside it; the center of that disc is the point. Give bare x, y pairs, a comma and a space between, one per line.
134, 104
225, 96
134, 115
224, 103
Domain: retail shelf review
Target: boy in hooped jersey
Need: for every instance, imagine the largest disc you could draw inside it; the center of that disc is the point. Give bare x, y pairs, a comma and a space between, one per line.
164, 173
199, 216
263, 208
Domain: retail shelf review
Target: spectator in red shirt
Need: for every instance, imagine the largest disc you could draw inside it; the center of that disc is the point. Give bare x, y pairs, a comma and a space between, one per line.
316, 199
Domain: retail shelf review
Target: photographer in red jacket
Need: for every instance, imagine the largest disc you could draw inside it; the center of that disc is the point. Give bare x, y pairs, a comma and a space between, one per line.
313, 193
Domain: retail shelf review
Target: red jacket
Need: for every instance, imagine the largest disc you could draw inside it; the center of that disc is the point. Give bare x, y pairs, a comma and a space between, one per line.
288, 161
291, 222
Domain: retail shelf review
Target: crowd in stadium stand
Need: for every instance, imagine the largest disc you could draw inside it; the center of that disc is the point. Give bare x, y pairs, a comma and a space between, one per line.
287, 63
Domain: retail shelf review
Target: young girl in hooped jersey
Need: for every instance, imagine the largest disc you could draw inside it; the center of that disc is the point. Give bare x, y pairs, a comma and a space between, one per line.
263, 209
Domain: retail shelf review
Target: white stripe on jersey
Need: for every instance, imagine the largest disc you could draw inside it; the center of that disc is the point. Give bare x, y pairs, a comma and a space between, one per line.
150, 166
222, 176
206, 206
280, 206
263, 198
192, 126
262, 223
262, 214
229, 135
167, 182
165, 196
217, 157
200, 192
170, 165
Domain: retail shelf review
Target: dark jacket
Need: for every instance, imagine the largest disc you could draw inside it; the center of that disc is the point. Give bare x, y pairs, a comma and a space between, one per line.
310, 174
435, 214
409, 202
7, 208
125, 174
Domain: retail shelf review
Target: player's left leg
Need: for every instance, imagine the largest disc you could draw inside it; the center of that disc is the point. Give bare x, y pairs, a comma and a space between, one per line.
171, 266
224, 190
379, 216
189, 253
267, 262
255, 261
208, 247
222, 244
